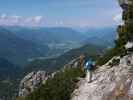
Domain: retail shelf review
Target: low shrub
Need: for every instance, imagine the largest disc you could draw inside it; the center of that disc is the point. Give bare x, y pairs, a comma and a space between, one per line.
60, 87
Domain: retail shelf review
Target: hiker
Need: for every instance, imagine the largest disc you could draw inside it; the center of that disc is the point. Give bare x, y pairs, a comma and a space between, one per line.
89, 65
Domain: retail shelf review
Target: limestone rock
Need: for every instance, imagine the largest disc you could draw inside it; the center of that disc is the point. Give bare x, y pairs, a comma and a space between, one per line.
109, 83
129, 45
31, 81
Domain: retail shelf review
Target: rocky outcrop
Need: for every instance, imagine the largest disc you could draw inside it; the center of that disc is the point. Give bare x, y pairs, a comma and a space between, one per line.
129, 46
78, 62
31, 81
108, 82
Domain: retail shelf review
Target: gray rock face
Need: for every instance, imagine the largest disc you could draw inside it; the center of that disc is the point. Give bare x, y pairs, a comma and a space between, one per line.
109, 83
75, 63
129, 45
31, 81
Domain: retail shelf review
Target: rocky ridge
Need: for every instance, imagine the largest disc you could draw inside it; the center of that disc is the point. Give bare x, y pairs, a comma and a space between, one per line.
108, 82
32, 80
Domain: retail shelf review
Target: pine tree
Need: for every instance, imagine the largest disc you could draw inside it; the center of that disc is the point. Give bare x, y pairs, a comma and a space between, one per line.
125, 31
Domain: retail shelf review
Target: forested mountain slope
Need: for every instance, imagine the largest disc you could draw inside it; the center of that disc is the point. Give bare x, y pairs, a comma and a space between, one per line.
18, 50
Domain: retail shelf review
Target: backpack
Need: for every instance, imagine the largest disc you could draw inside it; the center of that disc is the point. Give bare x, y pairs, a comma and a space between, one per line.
89, 65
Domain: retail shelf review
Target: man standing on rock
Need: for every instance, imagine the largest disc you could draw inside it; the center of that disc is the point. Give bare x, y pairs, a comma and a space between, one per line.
89, 65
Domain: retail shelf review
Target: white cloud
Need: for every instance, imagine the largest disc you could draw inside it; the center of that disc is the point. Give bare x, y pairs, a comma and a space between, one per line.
118, 18
59, 23
21, 20
38, 19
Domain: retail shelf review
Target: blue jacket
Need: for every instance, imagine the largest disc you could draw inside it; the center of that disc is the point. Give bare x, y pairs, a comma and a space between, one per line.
89, 65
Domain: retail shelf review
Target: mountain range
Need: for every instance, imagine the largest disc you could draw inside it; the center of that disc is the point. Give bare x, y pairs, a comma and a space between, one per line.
47, 35
101, 36
18, 50
53, 64
19, 44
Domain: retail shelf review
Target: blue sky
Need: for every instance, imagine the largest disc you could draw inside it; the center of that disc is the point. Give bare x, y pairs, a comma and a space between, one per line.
70, 13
